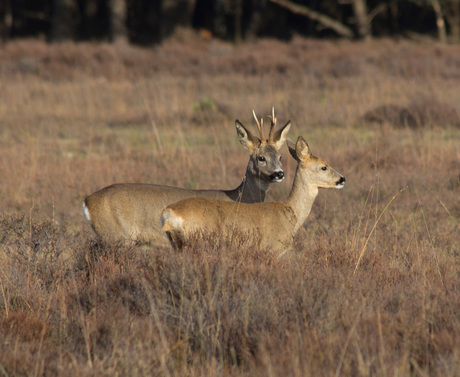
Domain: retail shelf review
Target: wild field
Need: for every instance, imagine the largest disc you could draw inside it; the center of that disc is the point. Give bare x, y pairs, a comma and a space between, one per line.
373, 287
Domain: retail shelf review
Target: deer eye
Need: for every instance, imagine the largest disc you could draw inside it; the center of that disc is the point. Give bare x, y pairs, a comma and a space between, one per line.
262, 159
324, 168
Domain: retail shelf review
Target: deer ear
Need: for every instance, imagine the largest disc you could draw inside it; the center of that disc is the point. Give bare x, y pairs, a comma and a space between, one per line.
280, 136
248, 140
291, 147
302, 149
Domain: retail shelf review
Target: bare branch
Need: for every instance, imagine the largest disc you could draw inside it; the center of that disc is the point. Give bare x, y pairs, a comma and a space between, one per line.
324, 20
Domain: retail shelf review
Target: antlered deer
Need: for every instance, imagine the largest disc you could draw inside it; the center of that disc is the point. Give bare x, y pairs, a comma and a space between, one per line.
270, 225
131, 211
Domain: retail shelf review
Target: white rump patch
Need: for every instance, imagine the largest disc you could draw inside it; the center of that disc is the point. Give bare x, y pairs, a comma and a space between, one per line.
86, 212
171, 219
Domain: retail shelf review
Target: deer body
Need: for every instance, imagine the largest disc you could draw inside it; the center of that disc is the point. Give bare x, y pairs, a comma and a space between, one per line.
271, 225
131, 211
187, 221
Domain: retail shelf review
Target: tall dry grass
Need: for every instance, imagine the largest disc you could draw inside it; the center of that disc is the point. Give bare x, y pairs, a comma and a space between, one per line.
373, 285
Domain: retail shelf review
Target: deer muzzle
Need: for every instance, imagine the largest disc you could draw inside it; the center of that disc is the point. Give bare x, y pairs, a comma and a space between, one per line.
277, 176
340, 183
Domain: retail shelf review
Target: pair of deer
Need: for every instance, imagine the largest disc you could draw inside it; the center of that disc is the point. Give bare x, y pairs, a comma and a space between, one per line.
154, 213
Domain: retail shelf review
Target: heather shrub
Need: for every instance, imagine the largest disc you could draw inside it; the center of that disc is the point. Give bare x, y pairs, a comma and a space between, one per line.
371, 285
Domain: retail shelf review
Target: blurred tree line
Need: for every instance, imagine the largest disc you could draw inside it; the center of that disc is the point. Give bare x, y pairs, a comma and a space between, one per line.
147, 22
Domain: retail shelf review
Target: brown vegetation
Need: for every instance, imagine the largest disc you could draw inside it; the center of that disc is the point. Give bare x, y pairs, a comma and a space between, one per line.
422, 113
373, 286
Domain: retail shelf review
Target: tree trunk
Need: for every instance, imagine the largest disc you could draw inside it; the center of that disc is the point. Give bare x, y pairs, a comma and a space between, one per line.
117, 21
256, 20
62, 21
440, 24
453, 19
363, 27
392, 14
6, 19
238, 14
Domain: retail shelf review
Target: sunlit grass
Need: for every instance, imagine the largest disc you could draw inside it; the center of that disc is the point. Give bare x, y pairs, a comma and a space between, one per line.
372, 285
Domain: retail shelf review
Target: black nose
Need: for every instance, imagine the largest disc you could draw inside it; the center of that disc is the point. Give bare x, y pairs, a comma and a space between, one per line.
277, 175
341, 181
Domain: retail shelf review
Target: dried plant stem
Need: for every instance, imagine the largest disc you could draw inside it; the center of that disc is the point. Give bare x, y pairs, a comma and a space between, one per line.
361, 254
347, 342
84, 327
12, 285
4, 298
30, 248
430, 239
361, 216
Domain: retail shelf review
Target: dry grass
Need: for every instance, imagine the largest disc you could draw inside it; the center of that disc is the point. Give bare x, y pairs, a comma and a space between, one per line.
373, 286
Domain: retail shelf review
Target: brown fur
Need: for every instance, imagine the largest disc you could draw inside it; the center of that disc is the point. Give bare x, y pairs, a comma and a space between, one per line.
131, 211
275, 222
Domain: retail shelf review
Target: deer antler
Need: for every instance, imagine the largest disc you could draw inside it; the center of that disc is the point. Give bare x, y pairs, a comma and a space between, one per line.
272, 126
260, 126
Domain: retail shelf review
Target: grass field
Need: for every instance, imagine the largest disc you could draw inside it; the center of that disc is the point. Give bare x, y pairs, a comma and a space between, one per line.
373, 288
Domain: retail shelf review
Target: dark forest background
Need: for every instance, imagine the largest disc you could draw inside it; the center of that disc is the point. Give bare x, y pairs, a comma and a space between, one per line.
147, 22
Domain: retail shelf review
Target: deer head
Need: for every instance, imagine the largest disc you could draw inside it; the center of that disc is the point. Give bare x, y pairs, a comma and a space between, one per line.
265, 158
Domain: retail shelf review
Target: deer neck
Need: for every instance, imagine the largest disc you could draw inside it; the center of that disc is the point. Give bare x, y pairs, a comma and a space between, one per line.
251, 189
301, 197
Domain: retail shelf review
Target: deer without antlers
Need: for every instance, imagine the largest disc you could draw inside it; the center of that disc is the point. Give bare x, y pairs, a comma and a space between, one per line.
131, 211
274, 223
